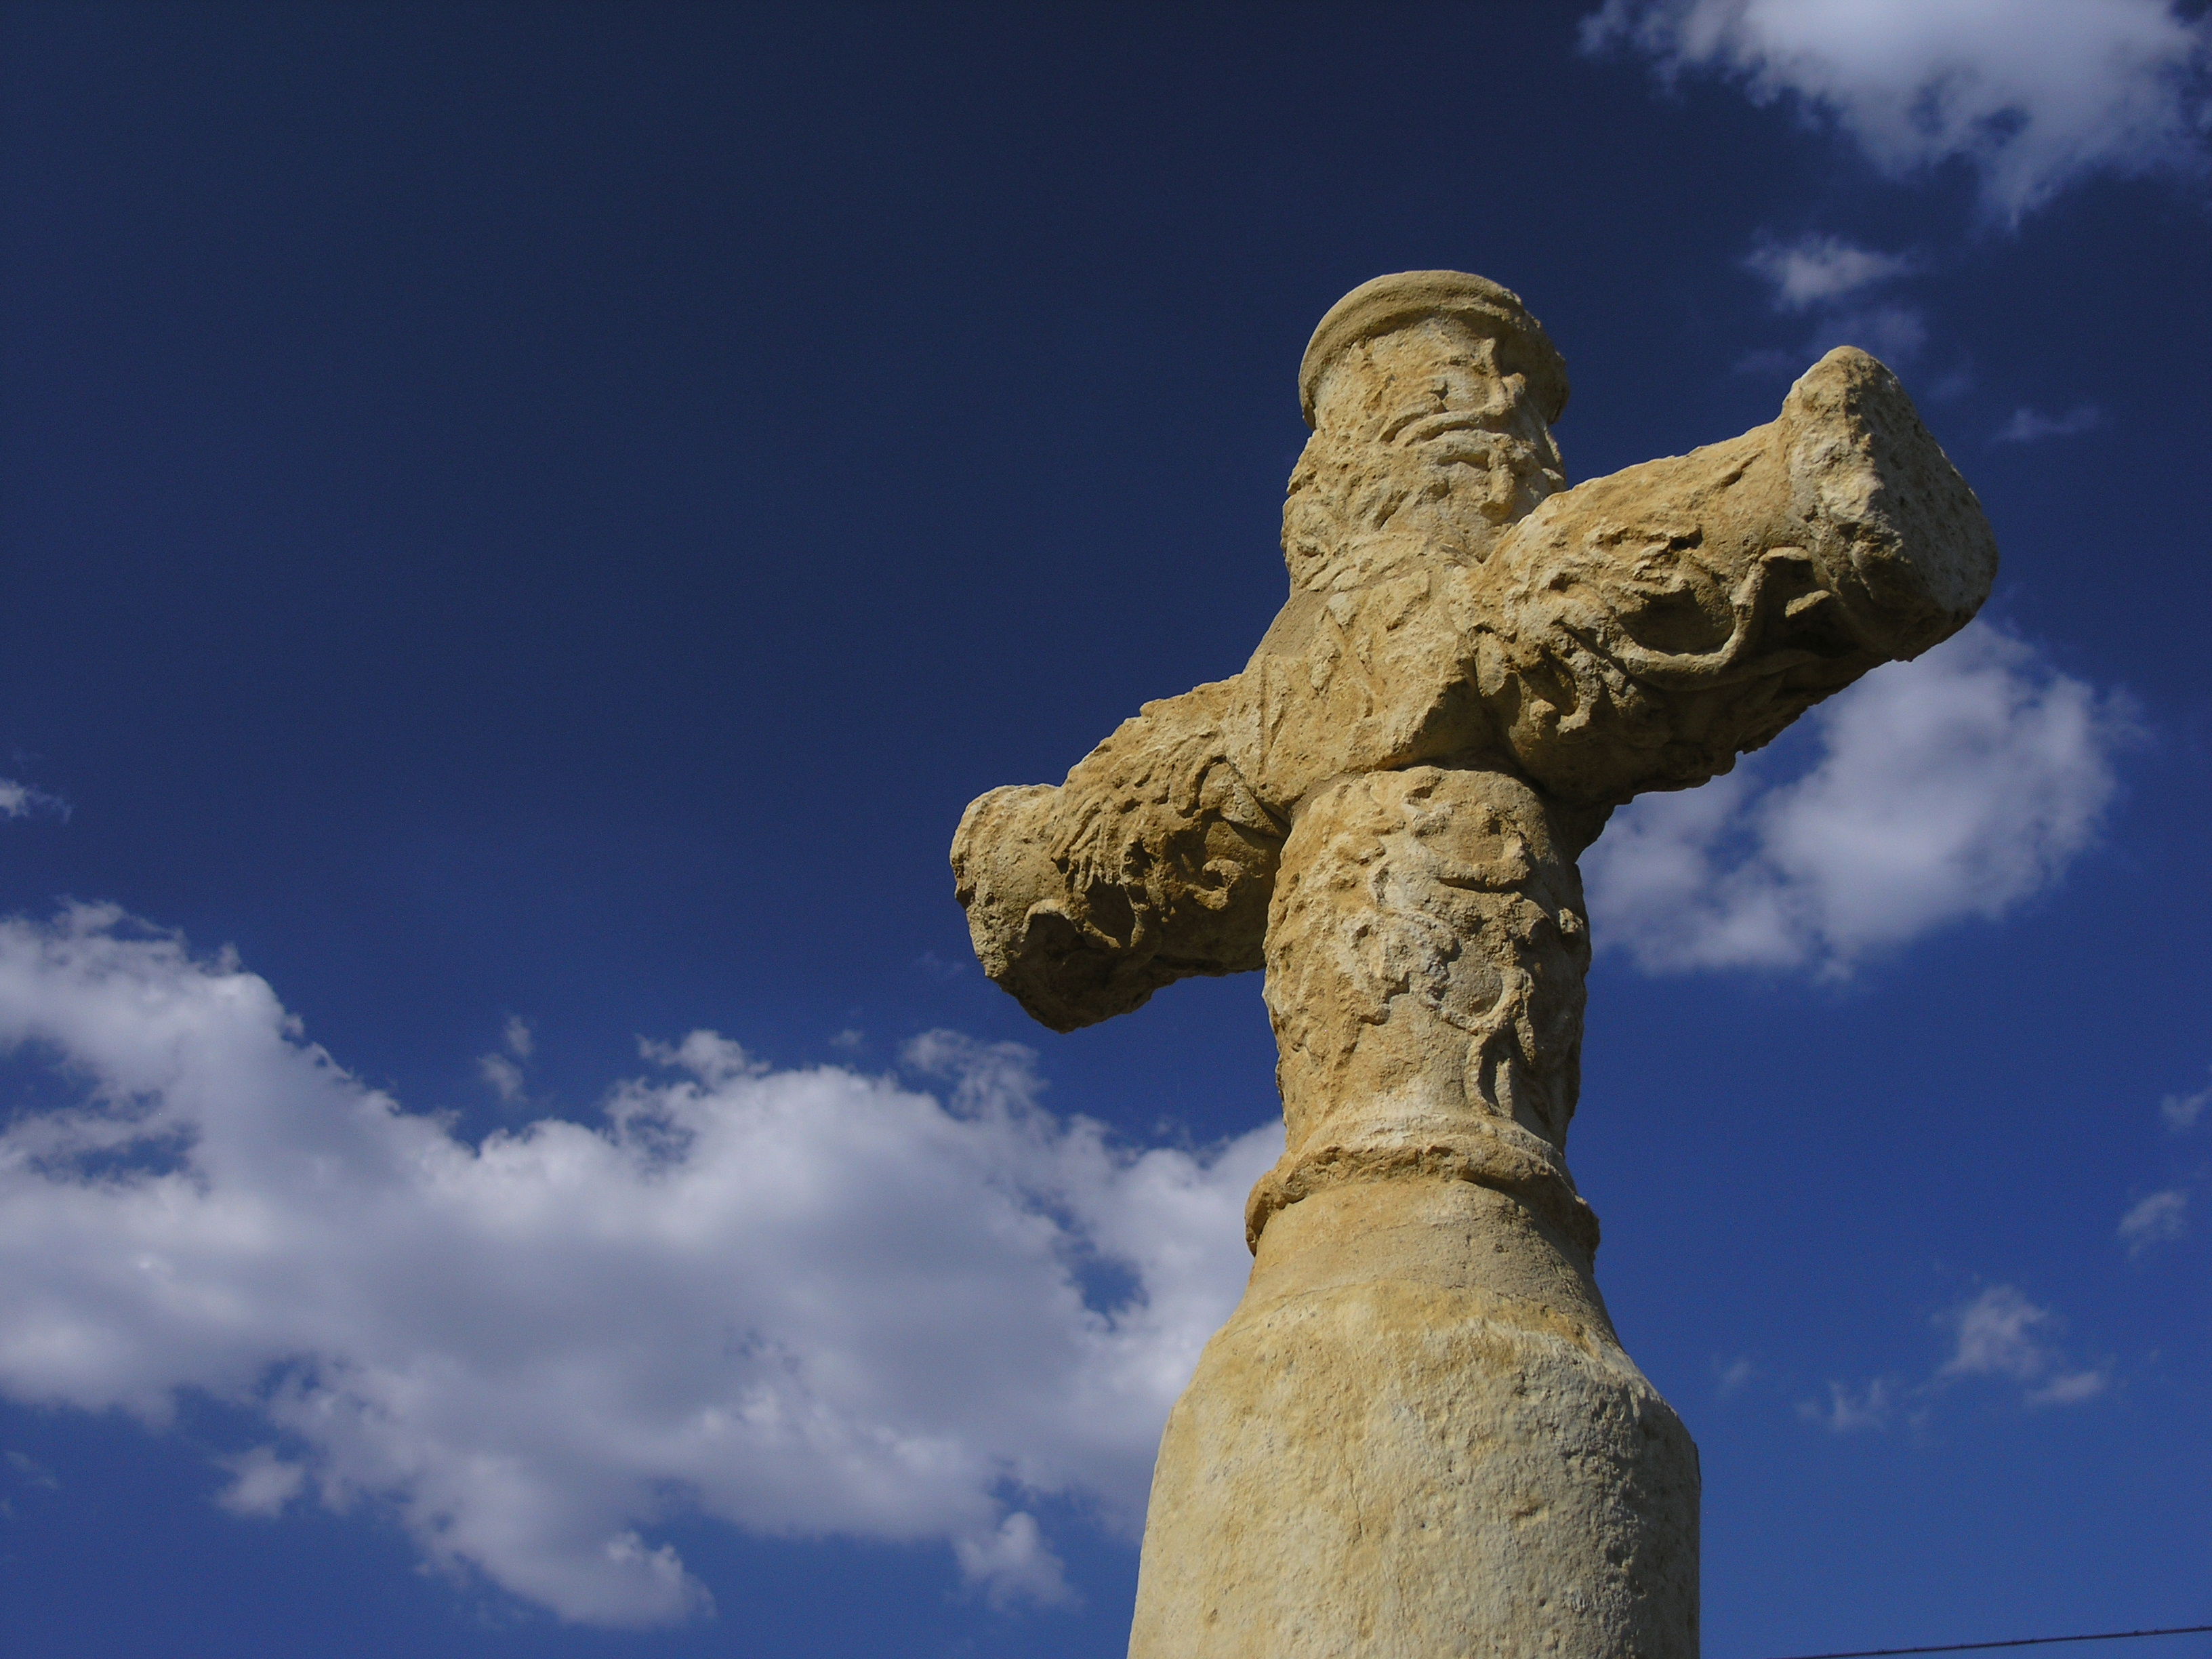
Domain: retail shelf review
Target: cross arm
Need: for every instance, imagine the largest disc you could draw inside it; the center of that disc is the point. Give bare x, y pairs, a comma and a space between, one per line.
1153, 862
1640, 631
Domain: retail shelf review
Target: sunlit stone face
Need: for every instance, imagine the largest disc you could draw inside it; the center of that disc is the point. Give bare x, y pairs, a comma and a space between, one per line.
1424, 445
1419, 1434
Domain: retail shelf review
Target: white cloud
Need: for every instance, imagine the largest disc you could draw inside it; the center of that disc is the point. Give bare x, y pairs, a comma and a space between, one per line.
2033, 94
2072, 1388
262, 1483
1015, 1563
1849, 1410
2027, 426
804, 1302
20, 800
1955, 785
504, 1076
2001, 1334
2155, 1219
2181, 1111
1832, 279
1816, 270
1997, 1335
504, 1071
1730, 1376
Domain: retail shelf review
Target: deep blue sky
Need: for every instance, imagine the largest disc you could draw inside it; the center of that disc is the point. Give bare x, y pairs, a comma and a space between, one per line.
549, 513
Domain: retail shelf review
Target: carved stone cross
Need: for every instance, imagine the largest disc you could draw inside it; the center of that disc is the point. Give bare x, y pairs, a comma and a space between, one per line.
1418, 1436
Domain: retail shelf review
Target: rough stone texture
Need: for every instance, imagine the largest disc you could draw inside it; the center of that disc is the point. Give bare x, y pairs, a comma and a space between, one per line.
1418, 1435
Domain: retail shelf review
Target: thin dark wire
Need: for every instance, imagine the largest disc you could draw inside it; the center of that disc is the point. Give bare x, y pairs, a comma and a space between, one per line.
2017, 1642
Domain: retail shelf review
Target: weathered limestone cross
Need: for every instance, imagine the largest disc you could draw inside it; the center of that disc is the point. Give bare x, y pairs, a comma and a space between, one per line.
1417, 1436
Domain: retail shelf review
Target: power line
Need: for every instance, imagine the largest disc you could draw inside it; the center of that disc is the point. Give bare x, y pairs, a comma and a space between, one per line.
2017, 1642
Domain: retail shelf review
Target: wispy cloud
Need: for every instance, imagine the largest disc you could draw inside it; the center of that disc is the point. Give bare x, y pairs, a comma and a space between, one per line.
2181, 1111
2028, 426
1834, 281
504, 1071
2001, 1334
1847, 1410
1956, 785
2155, 1219
802, 1302
262, 1483
20, 800
1998, 1335
1821, 269
31, 1472
504, 1076
2033, 95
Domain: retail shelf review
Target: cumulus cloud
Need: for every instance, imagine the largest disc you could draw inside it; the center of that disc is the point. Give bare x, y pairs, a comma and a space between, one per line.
805, 1302
2032, 94
2155, 1219
1955, 785
2028, 426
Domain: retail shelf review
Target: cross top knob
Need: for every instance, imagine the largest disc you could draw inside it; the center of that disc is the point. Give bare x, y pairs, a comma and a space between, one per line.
1478, 305
1418, 1434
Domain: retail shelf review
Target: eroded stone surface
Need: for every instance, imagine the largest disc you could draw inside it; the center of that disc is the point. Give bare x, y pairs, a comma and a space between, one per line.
1417, 1436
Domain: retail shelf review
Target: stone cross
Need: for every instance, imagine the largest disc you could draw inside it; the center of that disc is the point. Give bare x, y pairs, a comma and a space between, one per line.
1418, 1436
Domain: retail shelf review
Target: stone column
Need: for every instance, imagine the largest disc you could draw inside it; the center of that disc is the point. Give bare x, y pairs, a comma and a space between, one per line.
1418, 1437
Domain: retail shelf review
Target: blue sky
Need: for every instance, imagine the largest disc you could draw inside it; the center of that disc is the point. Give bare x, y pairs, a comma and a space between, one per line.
523, 528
